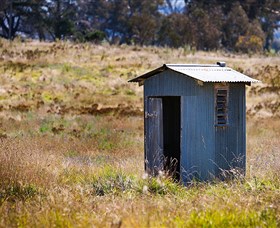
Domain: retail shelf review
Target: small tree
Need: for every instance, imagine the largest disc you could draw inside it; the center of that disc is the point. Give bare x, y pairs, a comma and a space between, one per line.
60, 17
207, 25
235, 26
253, 40
176, 31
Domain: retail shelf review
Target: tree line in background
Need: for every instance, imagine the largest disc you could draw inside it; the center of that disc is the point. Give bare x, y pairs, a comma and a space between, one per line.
244, 25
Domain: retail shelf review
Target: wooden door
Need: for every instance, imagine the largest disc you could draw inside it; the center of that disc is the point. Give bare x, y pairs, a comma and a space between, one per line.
154, 158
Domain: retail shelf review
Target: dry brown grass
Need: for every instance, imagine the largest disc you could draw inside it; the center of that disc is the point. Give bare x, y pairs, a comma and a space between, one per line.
58, 180
66, 163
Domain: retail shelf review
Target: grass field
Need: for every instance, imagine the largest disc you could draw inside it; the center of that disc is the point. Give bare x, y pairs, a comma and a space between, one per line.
71, 142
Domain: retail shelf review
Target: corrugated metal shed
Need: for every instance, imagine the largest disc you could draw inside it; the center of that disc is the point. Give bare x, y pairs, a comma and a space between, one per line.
204, 73
195, 115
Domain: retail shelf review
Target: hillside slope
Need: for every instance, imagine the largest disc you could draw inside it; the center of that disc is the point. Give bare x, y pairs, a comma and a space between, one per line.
71, 142
83, 78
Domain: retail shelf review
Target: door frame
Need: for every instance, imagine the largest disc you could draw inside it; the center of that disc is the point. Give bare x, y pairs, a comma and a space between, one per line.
146, 133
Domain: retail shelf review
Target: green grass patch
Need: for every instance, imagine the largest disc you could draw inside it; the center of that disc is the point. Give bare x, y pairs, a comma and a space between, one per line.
18, 192
229, 218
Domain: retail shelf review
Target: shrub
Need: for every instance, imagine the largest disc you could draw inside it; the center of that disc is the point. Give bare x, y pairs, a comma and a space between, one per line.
18, 191
249, 43
95, 36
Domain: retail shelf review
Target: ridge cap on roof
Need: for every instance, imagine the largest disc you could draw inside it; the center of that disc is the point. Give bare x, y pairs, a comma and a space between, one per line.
191, 65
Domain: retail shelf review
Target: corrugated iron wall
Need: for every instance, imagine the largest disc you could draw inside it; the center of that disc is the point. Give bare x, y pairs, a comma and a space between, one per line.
198, 134
230, 142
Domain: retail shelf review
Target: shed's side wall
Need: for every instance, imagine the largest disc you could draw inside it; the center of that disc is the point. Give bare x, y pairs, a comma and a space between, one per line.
197, 120
230, 142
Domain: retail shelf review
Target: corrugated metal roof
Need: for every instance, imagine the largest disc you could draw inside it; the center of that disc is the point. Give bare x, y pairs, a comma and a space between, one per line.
204, 73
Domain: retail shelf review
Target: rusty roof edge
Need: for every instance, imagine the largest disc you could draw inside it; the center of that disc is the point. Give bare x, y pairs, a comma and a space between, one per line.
148, 74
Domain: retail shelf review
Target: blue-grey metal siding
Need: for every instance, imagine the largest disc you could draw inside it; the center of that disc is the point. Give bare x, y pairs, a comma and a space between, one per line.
170, 83
230, 142
198, 142
205, 148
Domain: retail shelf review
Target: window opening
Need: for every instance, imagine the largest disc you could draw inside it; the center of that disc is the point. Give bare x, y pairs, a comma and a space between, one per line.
222, 106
